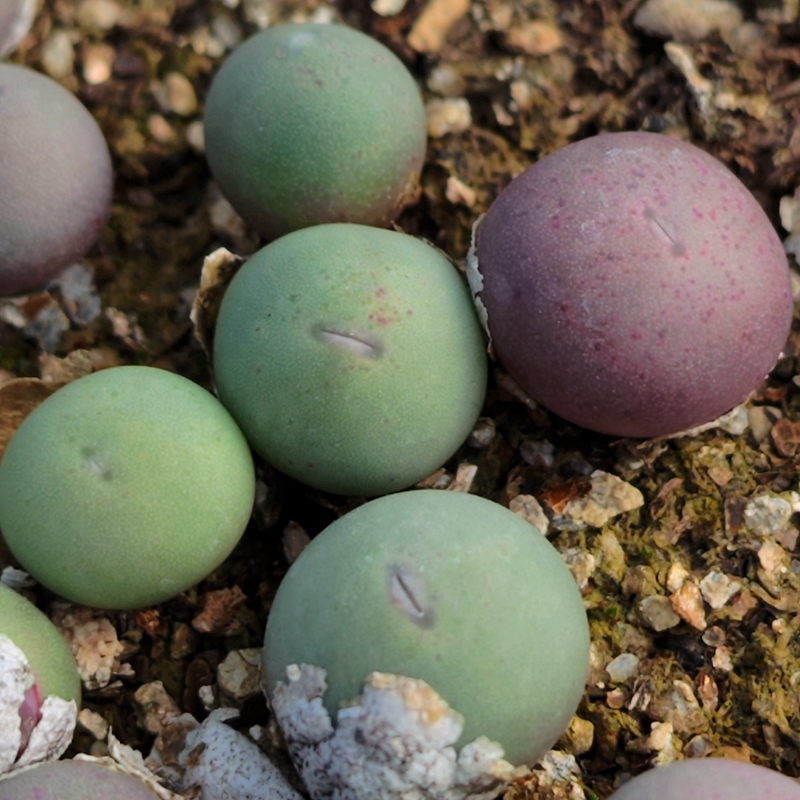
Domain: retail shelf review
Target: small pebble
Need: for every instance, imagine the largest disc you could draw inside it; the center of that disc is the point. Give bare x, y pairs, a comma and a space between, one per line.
676, 576
99, 14
207, 697
536, 38
767, 515
227, 30
432, 25
176, 94
658, 612
616, 698
580, 735
387, 8
195, 136
450, 115
204, 44
239, 674
772, 558
79, 296
688, 603
762, 418
97, 63
295, 540
483, 433
528, 507
459, 193
160, 129
93, 722
537, 453
687, 20
581, 564
608, 497
717, 588
721, 659
446, 81
58, 54
621, 668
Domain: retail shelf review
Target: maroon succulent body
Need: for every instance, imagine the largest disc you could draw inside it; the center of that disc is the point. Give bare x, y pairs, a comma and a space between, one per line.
709, 779
55, 179
633, 285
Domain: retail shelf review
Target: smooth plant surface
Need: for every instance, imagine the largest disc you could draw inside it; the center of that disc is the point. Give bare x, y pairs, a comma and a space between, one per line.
448, 588
351, 357
307, 124
125, 488
55, 179
709, 779
633, 285
49, 655
73, 780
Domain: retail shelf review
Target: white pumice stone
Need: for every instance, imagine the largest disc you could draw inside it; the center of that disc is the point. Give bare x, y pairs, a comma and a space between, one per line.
394, 741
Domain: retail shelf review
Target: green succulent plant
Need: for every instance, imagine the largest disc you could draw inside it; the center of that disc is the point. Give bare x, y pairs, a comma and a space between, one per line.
307, 124
351, 357
49, 655
446, 587
125, 487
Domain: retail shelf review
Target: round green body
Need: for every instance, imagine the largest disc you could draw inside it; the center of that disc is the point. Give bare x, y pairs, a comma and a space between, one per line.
351, 357
307, 124
125, 487
49, 655
72, 780
709, 779
55, 179
449, 588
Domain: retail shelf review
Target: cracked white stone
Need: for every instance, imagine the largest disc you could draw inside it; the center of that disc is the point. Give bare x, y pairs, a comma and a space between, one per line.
395, 741
50, 736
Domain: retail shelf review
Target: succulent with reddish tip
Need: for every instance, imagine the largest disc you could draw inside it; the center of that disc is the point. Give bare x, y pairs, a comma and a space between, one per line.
632, 284
464, 628
55, 179
73, 780
39, 684
706, 778
307, 124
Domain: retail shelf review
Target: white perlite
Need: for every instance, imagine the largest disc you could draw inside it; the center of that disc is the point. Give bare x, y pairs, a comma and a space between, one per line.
395, 741
53, 732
